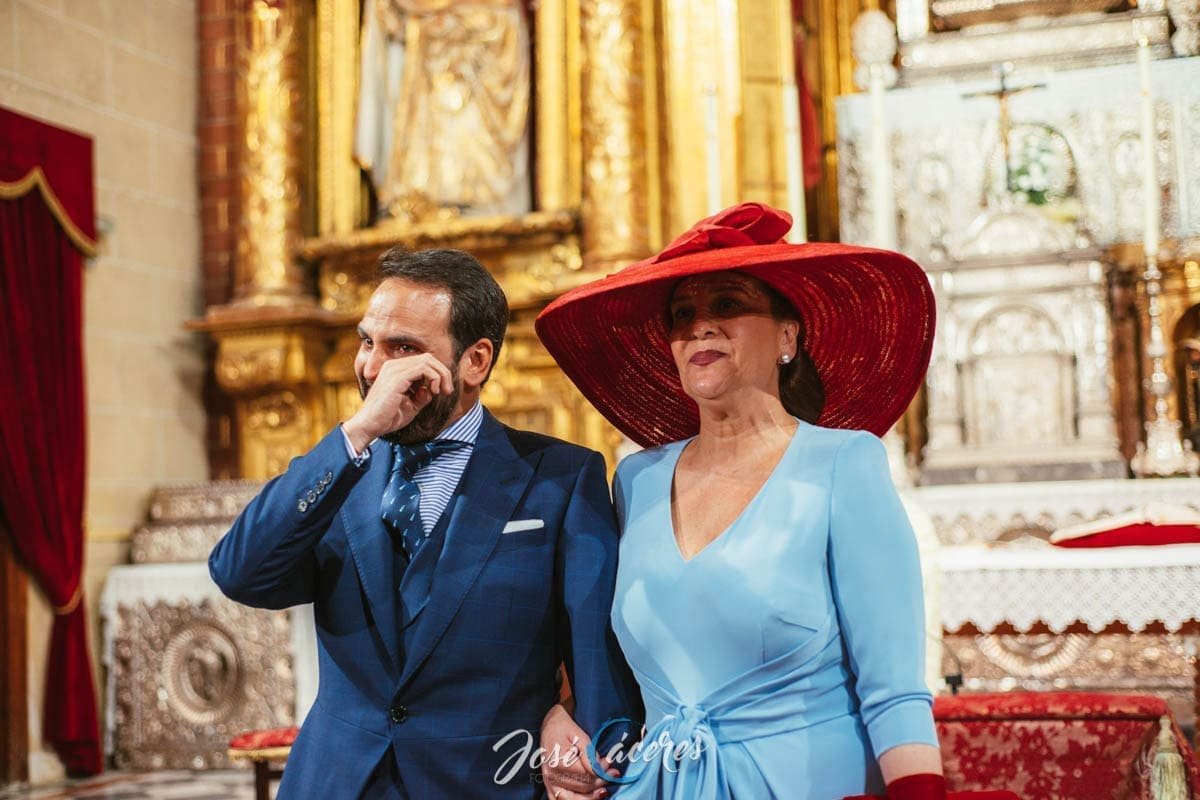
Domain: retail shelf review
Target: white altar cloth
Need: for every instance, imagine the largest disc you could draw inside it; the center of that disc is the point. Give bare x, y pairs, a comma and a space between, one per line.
1099, 587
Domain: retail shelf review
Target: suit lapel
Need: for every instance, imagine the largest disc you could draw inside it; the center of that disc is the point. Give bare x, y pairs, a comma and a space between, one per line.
371, 545
491, 487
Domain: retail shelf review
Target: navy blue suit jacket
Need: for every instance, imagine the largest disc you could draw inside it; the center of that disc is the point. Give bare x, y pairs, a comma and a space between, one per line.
479, 660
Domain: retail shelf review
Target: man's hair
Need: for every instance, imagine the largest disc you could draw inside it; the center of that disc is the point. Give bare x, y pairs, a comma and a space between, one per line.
478, 307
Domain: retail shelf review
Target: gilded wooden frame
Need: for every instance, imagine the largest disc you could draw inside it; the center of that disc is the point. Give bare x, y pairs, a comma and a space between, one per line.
338, 190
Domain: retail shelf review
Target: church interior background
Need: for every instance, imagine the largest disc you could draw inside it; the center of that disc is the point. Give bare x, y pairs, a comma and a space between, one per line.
1039, 158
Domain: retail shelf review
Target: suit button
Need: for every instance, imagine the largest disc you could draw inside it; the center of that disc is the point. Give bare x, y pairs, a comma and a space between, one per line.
398, 714
302, 506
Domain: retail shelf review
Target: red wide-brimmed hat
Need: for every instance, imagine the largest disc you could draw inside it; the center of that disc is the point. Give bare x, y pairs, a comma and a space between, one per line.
868, 320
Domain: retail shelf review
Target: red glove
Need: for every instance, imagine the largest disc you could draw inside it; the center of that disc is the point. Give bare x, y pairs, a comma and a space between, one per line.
922, 786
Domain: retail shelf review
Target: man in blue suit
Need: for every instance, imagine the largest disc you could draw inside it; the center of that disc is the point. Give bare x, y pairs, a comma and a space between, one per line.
453, 563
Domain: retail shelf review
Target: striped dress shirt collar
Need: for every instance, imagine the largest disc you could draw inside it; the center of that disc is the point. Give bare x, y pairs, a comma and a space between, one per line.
440, 478
466, 427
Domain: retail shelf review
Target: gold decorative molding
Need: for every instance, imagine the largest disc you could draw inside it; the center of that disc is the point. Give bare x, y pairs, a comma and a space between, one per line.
535, 256
36, 179
270, 358
278, 427
466, 233
529, 391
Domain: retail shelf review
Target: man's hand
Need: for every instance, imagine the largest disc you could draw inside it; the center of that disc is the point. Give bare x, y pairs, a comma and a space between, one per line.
566, 771
403, 387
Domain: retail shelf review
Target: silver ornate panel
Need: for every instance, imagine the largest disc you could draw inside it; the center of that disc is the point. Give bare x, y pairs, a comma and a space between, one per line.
187, 521
188, 677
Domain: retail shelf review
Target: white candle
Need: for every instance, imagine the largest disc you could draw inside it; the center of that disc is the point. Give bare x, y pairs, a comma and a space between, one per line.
712, 149
883, 215
1150, 190
794, 145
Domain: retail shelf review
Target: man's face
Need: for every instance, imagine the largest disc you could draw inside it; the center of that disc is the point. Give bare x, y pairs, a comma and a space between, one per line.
405, 319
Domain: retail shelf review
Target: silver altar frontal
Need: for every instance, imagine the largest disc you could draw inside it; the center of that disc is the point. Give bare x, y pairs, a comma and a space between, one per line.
1018, 613
187, 668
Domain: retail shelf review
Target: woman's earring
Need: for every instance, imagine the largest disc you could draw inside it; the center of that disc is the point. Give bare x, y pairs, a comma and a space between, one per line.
785, 359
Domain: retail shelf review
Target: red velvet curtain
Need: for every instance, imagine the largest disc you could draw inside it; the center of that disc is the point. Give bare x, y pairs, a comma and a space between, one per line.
46, 228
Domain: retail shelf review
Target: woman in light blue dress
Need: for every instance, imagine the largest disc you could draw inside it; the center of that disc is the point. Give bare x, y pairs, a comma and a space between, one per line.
768, 595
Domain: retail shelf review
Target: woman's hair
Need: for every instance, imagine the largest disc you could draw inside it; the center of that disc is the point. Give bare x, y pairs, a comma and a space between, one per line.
800, 386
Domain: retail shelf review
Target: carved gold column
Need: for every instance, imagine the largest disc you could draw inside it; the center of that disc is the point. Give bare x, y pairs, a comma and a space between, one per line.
616, 212
272, 339
270, 99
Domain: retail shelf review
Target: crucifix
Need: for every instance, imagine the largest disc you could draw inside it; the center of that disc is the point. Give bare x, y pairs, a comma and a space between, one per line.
1005, 126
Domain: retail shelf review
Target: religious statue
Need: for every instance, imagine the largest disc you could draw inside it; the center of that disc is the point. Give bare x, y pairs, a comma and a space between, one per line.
443, 111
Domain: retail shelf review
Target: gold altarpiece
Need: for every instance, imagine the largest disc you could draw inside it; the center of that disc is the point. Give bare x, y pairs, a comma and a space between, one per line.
620, 167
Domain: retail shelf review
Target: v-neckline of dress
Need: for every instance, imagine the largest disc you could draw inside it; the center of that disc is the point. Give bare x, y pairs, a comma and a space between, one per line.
758, 494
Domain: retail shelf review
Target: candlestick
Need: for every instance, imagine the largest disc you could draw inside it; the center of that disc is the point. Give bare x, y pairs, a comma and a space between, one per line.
874, 45
883, 217
1164, 452
712, 149
794, 145
1150, 189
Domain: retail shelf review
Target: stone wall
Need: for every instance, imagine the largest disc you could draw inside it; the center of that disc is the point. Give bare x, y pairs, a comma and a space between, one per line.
125, 73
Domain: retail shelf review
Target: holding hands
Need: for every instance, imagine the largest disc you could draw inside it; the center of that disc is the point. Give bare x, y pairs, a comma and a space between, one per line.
566, 771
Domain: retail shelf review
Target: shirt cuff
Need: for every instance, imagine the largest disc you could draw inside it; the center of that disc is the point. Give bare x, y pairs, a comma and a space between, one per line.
356, 458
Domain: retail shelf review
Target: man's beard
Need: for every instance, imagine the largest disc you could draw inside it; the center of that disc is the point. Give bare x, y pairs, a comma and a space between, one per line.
430, 420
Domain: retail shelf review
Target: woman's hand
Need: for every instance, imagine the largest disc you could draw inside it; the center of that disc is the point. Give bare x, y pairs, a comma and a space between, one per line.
913, 772
566, 772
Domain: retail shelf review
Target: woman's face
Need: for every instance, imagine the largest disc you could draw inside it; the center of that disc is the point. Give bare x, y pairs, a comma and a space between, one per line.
724, 337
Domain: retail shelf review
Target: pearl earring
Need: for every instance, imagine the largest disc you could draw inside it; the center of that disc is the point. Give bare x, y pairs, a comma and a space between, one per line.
785, 359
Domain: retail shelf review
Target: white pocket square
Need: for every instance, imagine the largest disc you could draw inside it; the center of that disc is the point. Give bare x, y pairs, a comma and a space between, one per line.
518, 525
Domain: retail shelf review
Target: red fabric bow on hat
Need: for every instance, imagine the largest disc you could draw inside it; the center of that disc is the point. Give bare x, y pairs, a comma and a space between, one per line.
740, 226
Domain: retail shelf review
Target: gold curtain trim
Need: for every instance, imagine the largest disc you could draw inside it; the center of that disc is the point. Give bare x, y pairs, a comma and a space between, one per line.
73, 603
11, 191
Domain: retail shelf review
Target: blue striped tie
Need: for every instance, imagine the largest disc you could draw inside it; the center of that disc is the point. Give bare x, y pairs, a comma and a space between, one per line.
401, 507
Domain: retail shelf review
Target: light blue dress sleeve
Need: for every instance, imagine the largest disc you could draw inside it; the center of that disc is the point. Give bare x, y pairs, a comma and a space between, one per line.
876, 578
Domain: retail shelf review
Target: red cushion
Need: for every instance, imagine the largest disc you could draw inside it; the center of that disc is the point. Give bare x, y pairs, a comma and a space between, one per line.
1067, 745
991, 794
263, 740
1138, 535
1047, 705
